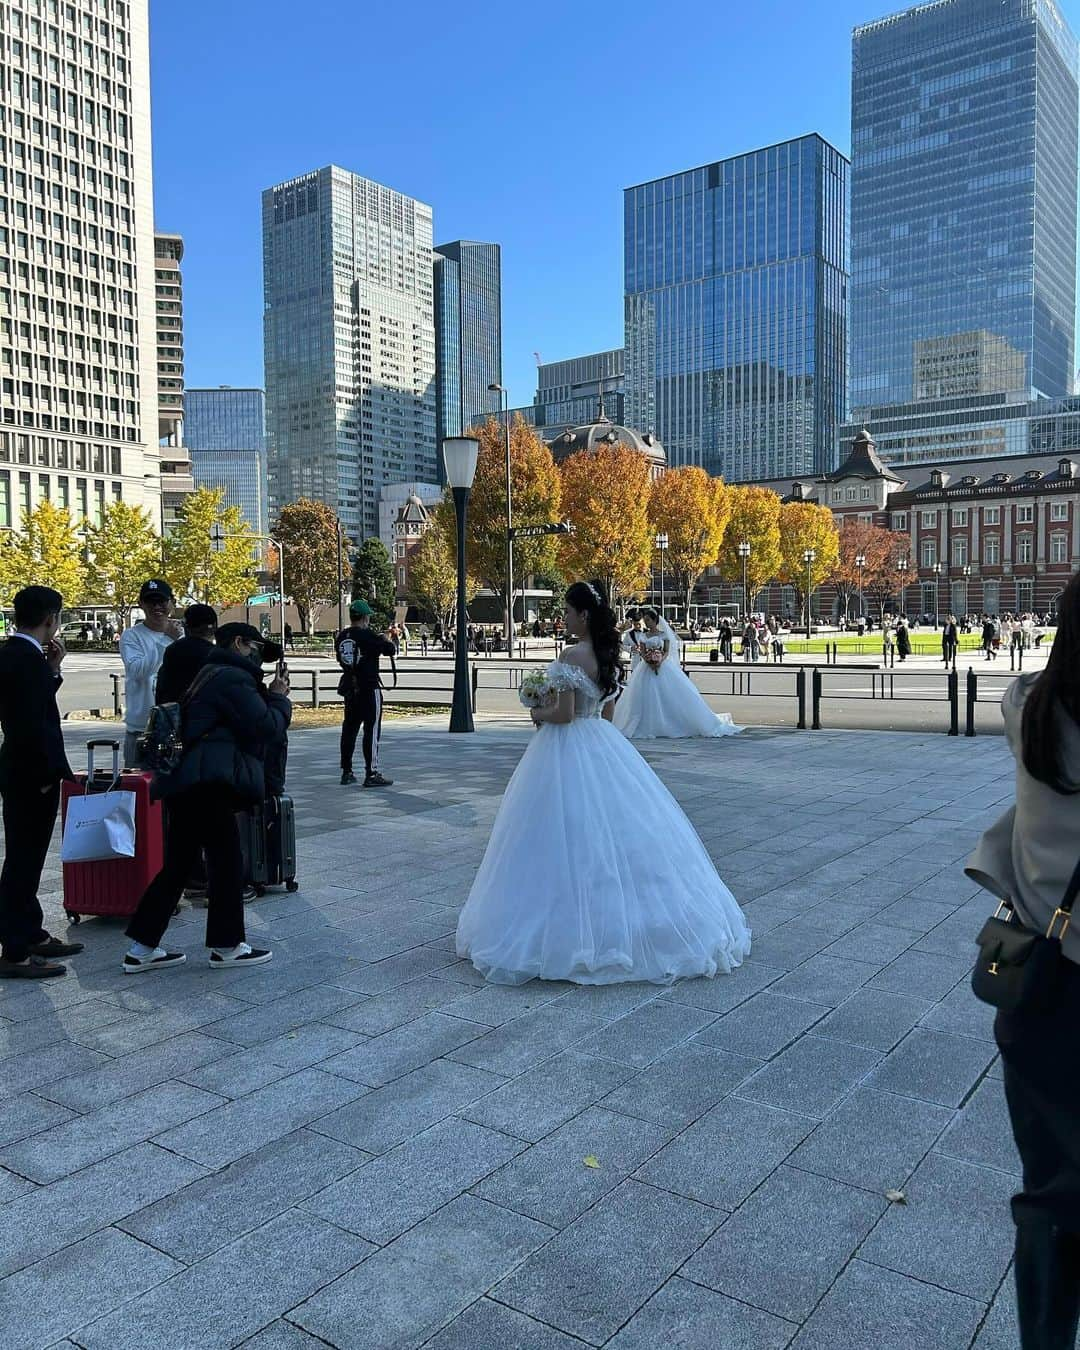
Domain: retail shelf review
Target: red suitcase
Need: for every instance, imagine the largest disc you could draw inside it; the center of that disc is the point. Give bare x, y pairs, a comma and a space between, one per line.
115, 886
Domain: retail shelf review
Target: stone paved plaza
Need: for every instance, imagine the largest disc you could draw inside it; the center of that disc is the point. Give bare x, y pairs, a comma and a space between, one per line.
362, 1146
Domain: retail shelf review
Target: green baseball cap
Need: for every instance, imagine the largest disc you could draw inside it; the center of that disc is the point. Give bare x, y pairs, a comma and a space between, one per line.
360, 609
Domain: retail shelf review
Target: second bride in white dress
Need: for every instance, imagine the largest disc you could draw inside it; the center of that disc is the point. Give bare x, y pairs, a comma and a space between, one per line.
660, 699
592, 872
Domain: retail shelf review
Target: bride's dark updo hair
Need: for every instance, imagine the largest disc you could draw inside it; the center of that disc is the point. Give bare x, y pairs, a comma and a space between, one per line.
588, 598
648, 612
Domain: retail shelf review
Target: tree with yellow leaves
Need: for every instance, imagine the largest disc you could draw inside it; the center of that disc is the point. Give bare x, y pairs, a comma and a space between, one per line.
536, 491
804, 526
45, 552
433, 568
692, 509
754, 520
605, 496
199, 570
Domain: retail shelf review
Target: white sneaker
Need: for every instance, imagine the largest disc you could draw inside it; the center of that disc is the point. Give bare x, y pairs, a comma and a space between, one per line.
222, 958
158, 959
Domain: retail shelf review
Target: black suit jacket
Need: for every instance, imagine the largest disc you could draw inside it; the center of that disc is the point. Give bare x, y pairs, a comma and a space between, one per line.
32, 754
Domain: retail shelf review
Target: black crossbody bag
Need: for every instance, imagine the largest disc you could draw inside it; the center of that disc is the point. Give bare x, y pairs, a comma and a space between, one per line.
1018, 970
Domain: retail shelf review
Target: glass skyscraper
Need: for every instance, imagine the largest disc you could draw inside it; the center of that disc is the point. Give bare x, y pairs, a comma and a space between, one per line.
468, 334
348, 343
963, 205
735, 308
225, 432
569, 391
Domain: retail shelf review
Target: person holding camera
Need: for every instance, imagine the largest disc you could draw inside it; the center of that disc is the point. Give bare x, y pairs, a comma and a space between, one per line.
358, 650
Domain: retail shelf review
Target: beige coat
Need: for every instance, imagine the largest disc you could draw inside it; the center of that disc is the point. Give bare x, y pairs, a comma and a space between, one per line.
1030, 853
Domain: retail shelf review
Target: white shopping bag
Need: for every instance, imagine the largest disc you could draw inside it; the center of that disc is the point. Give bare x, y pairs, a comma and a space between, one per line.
99, 826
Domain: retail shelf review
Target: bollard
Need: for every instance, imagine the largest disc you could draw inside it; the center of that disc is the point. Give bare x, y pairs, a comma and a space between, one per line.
954, 703
972, 697
800, 694
314, 688
475, 683
816, 691
116, 707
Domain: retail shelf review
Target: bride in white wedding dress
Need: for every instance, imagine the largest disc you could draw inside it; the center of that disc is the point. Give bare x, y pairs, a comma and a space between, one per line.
660, 699
592, 872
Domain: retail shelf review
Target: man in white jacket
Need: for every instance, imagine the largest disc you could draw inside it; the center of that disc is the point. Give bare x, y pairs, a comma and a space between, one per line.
141, 650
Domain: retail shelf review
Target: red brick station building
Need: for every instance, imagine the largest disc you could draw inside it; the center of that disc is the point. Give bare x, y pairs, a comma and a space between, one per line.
992, 536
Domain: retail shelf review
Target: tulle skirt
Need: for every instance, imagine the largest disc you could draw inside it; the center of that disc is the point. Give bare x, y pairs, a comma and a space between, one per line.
666, 703
594, 874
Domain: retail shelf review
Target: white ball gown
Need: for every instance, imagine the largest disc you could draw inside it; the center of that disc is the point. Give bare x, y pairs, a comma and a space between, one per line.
592, 872
666, 702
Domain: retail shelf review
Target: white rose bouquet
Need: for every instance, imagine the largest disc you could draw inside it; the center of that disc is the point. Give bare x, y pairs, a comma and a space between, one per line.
536, 689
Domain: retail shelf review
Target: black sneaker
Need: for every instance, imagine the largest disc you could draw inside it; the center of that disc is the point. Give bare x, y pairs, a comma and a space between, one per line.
158, 959
347, 777
250, 893
239, 956
377, 780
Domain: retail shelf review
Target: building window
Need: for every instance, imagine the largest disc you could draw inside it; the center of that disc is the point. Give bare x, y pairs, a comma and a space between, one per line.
401, 550
1059, 510
960, 515
865, 494
959, 551
929, 552
929, 520
851, 494
900, 520
1059, 548
1025, 514
991, 515
5, 501
1023, 548
991, 549
838, 494
401, 576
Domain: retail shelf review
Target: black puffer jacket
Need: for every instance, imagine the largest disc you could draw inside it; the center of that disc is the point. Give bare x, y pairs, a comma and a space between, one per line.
230, 723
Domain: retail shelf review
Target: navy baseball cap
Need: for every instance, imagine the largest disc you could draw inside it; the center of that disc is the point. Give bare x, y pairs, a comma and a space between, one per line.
155, 590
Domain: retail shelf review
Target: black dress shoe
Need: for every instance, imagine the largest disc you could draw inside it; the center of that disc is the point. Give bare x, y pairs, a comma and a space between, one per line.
34, 969
347, 777
54, 947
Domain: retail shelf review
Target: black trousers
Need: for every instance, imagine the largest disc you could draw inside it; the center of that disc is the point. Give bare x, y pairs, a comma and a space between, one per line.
362, 710
203, 818
1042, 1086
29, 818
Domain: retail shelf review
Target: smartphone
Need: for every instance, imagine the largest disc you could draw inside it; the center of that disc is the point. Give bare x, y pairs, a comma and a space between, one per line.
282, 670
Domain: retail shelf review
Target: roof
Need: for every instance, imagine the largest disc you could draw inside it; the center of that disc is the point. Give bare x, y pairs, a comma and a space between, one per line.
591, 435
863, 462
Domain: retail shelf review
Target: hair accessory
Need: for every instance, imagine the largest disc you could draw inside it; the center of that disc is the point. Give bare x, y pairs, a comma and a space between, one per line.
594, 592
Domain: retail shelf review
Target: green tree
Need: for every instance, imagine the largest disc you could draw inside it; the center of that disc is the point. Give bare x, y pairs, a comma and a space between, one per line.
47, 551
311, 536
123, 550
200, 569
373, 579
433, 568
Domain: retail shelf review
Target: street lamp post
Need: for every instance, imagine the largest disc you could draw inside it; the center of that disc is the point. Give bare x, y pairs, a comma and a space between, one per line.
661, 544
937, 570
902, 568
966, 572
808, 558
218, 535
459, 457
340, 595
744, 554
860, 563
504, 399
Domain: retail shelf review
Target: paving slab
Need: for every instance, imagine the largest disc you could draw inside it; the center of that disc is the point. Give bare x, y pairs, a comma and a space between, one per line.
600, 1270
407, 1291
764, 1025
644, 1035
786, 1245
810, 1076
682, 1084
934, 1067
539, 1101
492, 1324
874, 1018
114, 1079
982, 1132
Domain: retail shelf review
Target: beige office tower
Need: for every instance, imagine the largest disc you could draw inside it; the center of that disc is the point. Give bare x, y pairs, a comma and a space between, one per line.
78, 339
176, 473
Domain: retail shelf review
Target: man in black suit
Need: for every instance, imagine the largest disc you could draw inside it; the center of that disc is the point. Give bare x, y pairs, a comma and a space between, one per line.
32, 764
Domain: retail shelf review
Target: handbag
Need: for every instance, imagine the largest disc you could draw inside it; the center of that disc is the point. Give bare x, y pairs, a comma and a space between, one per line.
1018, 970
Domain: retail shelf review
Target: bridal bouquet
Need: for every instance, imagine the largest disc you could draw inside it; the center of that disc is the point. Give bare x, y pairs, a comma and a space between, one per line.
536, 689
653, 657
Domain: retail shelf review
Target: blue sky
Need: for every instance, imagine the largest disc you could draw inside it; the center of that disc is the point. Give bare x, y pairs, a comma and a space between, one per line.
520, 124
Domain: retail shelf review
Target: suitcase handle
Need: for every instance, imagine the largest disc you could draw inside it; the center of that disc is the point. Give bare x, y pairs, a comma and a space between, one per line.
115, 747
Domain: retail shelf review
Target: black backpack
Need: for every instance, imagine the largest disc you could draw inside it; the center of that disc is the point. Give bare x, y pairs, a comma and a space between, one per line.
161, 744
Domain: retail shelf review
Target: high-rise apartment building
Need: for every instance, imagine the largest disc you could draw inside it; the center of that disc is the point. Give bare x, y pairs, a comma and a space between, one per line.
569, 391
963, 207
468, 334
225, 431
735, 308
176, 479
349, 342
78, 386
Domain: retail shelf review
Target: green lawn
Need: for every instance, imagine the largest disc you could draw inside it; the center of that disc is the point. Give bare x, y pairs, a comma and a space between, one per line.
924, 643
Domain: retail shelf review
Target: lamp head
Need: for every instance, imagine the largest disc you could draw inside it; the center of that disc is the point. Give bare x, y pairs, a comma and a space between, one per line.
459, 458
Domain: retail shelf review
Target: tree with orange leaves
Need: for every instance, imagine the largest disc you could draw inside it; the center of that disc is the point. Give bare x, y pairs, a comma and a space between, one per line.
886, 581
536, 490
805, 525
872, 543
755, 520
605, 496
692, 509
